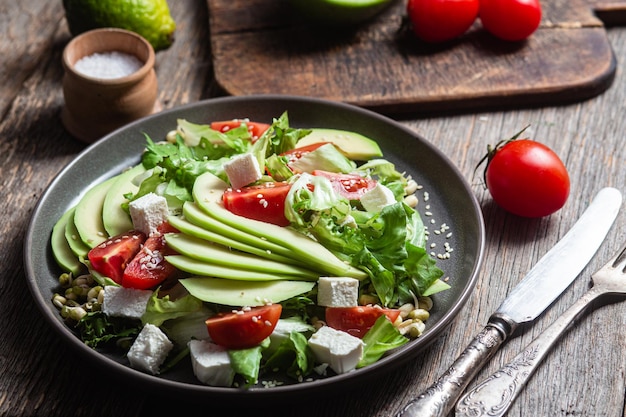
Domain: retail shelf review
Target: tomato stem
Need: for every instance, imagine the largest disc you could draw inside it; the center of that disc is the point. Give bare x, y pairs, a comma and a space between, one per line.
491, 152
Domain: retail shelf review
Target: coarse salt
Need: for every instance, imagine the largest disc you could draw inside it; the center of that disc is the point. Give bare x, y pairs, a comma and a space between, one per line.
108, 65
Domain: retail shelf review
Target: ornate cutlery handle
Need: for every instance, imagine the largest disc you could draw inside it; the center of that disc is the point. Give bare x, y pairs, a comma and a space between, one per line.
440, 397
494, 396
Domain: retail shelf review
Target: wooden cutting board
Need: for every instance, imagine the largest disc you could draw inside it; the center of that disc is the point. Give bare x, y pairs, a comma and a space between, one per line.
264, 47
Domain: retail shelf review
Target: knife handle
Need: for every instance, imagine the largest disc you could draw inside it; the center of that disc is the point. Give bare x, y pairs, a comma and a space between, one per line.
495, 395
439, 399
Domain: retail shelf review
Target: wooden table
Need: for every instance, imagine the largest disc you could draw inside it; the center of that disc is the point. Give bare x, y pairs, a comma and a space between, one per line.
585, 374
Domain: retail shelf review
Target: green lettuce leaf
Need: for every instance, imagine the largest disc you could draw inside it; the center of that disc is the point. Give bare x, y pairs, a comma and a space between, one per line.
382, 337
247, 362
159, 310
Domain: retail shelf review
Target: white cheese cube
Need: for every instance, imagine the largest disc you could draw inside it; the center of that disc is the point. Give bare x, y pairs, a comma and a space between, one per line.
242, 170
337, 292
148, 212
378, 197
340, 350
125, 302
211, 363
149, 350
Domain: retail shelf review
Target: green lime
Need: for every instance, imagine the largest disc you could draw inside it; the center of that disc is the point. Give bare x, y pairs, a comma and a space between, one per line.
335, 12
149, 18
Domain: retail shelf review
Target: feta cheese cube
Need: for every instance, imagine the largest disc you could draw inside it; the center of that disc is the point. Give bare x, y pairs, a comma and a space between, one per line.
242, 170
211, 363
125, 302
378, 197
149, 350
148, 212
337, 291
340, 350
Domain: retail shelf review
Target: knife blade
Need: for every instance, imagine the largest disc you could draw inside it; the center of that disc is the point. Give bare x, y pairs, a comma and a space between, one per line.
545, 282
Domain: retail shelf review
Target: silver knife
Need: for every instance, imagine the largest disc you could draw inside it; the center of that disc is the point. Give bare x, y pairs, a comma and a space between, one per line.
543, 284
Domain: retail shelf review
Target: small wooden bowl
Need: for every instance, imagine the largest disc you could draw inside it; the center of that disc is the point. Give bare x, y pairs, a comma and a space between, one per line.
95, 107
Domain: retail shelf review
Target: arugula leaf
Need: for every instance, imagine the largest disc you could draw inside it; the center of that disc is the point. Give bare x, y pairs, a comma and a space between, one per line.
380, 338
96, 328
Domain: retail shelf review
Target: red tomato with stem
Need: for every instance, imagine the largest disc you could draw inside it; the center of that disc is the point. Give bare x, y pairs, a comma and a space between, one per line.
526, 178
245, 328
255, 129
441, 20
357, 320
265, 202
149, 268
111, 257
511, 20
350, 186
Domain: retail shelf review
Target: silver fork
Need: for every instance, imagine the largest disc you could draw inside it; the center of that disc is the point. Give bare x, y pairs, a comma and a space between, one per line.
494, 396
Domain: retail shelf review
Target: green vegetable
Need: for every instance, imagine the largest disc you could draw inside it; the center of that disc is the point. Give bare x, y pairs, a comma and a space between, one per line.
161, 309
293, 356
382, 337
97, 329
247, 362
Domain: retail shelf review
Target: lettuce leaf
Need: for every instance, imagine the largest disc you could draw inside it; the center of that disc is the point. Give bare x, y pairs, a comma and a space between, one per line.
380, 338
247, 362
159, 310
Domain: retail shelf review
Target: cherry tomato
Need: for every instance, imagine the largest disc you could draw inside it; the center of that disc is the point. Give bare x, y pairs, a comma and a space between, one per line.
264, 202
441, 20
254, 128
511, 20
350, 186
149, 268
111, 256
527, 178
245, 328
357, 320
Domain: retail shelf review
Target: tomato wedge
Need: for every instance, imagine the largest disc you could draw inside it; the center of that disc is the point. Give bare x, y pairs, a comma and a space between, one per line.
264, 202
350, 186
244, 328
149, 268
357, 320
297, 153
254, 128
111, 256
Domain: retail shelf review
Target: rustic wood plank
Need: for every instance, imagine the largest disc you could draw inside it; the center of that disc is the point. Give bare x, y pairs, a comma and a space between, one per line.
382, 66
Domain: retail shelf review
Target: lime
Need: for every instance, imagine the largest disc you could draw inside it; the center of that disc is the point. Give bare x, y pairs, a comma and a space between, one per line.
149, 18
335, 12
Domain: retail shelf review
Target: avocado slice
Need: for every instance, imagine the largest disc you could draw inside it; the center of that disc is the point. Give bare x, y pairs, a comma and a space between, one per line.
222, 256
88, 214
77, 246
205, 269
191, 229
353, 145
198, 217
61, 250
114, 218
310, 252
244, 293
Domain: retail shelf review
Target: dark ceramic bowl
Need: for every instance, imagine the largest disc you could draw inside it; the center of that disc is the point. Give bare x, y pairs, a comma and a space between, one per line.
451, 200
